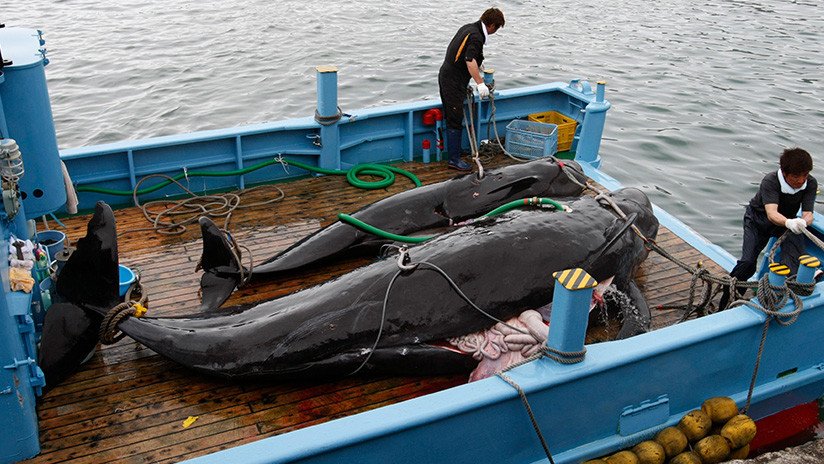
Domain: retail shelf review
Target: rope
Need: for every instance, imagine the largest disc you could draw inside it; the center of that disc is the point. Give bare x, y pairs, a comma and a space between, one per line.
772, 299
405, 265
109, 333
528, 409
564, 357
328, 120
495, 129
174, 219
470, 129
378, 170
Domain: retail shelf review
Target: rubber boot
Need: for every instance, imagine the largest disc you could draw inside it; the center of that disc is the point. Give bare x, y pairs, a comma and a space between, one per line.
453, 146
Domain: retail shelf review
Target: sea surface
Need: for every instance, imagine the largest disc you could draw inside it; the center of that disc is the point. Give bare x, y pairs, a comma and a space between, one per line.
705, 93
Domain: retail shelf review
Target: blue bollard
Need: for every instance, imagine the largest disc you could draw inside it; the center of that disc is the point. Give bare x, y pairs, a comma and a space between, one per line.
327, 77
806, 269
778, 274
489, 78
570, 310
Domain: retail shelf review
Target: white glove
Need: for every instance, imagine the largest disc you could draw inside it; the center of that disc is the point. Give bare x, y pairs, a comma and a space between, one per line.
483, 90
795, 225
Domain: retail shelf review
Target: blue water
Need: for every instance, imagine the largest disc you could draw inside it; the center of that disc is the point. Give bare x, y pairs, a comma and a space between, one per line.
705, 94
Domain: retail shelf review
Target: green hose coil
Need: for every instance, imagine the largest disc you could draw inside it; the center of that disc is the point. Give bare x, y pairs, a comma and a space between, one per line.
387, 174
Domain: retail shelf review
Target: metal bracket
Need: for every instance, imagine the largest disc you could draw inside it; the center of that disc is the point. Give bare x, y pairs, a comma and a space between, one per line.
17, 364
316, 139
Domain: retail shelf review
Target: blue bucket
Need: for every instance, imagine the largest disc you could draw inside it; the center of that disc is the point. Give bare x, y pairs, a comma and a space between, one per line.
53, 240
127, 278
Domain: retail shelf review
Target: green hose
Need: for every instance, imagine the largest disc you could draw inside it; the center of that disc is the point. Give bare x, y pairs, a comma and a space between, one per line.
534, 201
386, 172
381, 233
523, 202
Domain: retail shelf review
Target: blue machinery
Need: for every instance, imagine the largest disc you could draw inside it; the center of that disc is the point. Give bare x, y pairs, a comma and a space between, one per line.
25, 115
620, 393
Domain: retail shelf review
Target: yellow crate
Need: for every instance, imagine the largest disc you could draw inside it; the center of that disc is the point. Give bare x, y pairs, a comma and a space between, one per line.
566, 126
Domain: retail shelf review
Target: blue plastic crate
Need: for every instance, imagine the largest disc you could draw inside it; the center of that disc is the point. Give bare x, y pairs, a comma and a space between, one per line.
530, 139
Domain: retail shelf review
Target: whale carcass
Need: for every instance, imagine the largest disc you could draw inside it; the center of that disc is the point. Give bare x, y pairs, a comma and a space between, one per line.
390, 316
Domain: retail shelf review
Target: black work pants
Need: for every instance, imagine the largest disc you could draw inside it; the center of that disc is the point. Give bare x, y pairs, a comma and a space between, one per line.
757, 233
453, 95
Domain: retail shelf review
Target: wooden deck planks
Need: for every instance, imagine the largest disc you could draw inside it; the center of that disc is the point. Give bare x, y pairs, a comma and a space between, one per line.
128, 404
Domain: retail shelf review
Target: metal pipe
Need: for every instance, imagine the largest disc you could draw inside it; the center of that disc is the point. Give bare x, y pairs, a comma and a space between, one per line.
570, 310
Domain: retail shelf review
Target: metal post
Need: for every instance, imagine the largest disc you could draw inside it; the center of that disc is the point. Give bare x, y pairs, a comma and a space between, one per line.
592, 128
488, 76
327, 77
570, 310
778, 274
806, 269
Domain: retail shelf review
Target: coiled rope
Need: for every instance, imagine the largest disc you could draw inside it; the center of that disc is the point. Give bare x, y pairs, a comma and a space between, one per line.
772, 298
173, 220
109, 333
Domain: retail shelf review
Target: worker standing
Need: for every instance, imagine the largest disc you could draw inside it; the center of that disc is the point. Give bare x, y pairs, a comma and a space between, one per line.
464, 58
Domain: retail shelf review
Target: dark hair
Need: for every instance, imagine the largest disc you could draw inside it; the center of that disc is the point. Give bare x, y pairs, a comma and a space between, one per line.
493, 17
795, 161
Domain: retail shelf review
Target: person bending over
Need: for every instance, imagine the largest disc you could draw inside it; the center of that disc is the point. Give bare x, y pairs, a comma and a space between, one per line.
464, 57
774, 210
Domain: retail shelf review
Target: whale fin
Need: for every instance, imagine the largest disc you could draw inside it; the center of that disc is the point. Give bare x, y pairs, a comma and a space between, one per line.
70, 335
86, 288
90, 277
221, 269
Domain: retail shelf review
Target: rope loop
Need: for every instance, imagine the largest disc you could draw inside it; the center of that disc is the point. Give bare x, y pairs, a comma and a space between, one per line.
328, 120
772, 299
109, 332
564, 357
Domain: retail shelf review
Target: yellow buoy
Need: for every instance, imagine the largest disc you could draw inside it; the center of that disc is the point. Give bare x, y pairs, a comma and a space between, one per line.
739, 431
622, 457
720, 409
687, 457
740, 453
712, 449
672, 440
650, 452
695, 425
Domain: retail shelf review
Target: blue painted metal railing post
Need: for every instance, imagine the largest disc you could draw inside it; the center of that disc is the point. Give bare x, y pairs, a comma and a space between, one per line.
328, 117
570, 310
593, 127
806, 269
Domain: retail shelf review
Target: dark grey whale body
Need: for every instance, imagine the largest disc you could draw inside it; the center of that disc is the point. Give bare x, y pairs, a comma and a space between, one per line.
504, 265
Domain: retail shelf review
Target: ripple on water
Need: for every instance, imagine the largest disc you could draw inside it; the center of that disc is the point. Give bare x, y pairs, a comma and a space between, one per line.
714, 87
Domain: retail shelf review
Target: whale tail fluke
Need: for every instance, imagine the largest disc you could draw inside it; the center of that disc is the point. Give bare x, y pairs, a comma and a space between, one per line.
87, 287
221, 266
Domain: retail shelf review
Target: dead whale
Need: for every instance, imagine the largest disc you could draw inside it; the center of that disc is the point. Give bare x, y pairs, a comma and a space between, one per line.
390, 316
436, 205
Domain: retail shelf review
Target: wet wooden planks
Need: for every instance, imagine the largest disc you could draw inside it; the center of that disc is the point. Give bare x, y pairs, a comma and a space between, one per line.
128, 404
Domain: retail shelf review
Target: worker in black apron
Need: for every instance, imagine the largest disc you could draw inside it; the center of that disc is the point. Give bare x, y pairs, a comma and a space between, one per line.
463, 61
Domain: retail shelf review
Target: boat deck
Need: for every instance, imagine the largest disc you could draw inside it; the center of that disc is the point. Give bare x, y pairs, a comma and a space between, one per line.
127, 404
